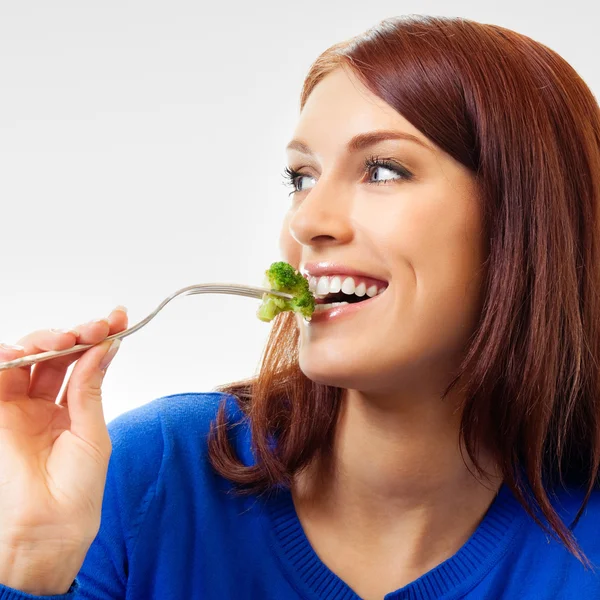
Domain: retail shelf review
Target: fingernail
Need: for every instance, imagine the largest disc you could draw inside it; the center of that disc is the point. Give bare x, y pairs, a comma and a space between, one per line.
94, 321
11, 347
60, 331
110, 354
121, 307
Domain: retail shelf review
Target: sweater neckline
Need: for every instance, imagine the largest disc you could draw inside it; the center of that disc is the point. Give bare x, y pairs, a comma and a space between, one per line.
456, 575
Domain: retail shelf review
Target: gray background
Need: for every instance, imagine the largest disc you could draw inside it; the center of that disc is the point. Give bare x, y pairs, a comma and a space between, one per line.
141, 151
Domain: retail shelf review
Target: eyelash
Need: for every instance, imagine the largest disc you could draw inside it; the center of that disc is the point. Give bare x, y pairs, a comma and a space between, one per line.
390, 164
291, 175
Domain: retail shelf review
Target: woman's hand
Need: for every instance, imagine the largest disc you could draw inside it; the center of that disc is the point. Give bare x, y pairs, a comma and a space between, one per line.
53, 457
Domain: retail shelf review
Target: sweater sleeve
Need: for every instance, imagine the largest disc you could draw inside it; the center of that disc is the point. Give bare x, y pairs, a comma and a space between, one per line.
133, 470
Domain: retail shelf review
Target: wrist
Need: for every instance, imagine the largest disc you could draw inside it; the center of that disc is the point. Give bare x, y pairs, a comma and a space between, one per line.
38, 575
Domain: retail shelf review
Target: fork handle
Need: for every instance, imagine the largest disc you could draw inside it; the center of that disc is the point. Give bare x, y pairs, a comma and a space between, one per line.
26, 361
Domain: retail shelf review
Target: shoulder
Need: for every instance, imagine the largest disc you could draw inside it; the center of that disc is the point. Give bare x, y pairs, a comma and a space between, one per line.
195, 410
164, 444
147, 439
150, 432
567, 503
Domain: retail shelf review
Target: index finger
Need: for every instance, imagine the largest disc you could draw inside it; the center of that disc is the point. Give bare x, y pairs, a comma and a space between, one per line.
48, 376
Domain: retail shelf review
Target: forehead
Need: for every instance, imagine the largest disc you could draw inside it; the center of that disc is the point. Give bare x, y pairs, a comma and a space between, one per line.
340, 107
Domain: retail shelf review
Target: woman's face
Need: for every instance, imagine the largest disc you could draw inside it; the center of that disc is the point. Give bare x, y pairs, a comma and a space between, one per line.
380, 210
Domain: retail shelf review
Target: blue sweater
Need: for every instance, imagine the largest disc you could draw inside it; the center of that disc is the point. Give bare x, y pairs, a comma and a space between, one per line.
172, 530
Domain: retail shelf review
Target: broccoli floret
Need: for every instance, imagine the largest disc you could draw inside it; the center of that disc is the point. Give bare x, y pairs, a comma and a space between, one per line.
282, 277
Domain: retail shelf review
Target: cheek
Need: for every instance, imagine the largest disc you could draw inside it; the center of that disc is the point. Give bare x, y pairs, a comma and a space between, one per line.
291, 250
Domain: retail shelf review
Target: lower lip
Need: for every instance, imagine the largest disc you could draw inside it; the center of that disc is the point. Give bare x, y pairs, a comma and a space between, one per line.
338, 312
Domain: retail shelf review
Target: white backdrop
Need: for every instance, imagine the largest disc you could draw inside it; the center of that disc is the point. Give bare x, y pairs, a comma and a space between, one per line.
141, 151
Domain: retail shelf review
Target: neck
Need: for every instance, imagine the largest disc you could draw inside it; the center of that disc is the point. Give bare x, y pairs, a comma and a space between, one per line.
396, 478
389, 450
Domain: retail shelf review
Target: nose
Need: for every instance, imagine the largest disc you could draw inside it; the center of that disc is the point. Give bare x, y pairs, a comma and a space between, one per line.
323, 216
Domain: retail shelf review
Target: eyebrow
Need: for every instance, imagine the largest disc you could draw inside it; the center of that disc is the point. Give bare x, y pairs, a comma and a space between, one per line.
364, 140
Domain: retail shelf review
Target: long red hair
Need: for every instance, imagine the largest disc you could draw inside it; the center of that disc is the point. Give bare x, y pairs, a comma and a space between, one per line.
521, 119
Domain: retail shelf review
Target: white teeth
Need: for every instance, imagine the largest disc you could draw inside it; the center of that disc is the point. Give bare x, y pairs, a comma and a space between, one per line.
361, 289
323, 286
348, 286
335, 285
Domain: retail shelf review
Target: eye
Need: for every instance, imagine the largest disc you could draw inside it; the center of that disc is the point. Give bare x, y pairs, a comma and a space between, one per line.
383, 174
300, 182
385, 170
304, 182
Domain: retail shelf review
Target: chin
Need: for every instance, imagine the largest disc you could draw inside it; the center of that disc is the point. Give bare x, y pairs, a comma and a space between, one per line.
338, 369
365, 368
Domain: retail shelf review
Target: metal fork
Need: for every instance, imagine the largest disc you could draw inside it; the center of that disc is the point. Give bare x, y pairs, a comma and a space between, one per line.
203, 288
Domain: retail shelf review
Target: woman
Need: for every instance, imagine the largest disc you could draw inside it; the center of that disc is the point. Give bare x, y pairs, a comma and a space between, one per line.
435, 435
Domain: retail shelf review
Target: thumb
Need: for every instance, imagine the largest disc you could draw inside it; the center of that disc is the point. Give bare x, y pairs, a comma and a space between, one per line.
84, 393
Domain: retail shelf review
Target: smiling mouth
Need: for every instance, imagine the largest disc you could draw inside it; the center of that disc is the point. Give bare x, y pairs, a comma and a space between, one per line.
337, 290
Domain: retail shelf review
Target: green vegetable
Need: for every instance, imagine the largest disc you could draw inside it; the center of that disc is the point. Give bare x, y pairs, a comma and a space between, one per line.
282, 277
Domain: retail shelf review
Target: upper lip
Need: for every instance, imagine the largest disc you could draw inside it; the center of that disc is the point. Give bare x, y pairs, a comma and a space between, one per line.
327, 269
